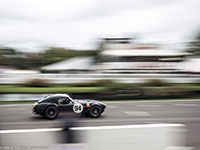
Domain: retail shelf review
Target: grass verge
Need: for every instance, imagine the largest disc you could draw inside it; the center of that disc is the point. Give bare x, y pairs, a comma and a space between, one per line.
21, 89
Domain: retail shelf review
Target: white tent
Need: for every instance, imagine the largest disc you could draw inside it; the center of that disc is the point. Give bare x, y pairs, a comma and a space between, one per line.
77, 63
149, 52
191, 65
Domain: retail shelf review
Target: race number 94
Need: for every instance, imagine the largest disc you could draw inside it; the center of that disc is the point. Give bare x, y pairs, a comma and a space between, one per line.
78, 108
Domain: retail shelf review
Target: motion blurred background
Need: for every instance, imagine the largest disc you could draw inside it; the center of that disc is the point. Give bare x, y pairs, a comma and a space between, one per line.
103, 50
125, 50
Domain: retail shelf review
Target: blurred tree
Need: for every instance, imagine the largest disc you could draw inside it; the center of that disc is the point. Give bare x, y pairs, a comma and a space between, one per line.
21, 60
7, 51
62, 52
56, 54
194, 45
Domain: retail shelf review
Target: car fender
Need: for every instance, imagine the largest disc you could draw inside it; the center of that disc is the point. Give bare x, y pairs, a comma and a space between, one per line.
86, 109
94, 105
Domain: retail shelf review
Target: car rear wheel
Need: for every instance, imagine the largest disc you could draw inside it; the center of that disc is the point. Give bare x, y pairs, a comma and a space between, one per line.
51, 112
95, 111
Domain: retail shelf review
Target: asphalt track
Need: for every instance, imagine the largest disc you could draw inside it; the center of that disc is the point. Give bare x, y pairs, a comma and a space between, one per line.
185, 112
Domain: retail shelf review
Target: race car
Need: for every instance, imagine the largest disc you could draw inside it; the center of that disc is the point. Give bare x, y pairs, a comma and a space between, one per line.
51, 105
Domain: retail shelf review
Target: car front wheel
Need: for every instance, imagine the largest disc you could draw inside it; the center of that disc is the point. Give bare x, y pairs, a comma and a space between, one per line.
95, 111
51, 112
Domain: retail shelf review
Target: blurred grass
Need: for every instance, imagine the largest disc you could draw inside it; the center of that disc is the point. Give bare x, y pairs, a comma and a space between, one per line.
23, 89
16, 102
107, 89
14, 88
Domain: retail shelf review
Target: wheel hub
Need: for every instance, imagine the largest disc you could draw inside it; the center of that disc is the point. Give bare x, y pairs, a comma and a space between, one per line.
51, 112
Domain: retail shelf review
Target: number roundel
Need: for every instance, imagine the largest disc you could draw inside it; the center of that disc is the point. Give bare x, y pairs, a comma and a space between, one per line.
78, 108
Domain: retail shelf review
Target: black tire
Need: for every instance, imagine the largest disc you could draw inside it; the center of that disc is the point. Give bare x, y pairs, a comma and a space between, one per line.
51, 112
95, 111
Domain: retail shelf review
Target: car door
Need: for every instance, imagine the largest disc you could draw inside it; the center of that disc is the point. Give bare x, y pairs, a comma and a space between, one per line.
65, 104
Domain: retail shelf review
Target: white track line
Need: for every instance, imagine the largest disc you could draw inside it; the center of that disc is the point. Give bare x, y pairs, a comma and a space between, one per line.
137, 113
30, 130
128, 126
91, 128
149, 105
111, 120
186, 105
179, 148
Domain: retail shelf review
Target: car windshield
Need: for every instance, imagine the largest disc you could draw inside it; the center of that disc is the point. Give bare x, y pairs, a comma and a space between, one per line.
44, 98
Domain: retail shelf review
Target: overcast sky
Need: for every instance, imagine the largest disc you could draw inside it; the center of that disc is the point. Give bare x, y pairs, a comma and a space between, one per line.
30, 25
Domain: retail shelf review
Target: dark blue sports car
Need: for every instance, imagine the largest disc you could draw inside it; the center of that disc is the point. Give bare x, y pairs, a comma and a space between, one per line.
51, 105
